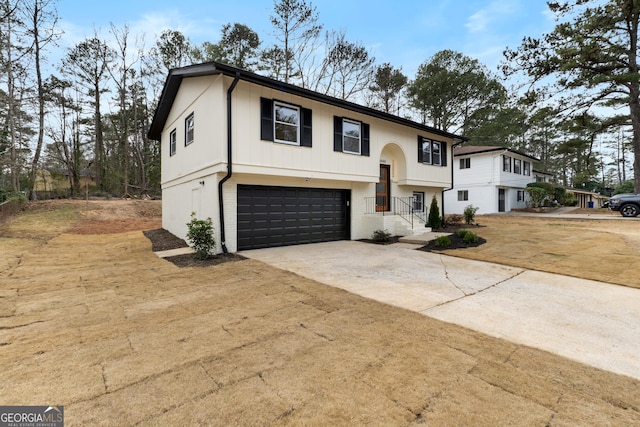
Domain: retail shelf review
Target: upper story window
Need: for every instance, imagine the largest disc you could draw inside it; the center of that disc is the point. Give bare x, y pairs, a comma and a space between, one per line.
517, 166
173, 137
285, 123
350, 136
432, 152
189, 124
465, 163
527, 168
506, 163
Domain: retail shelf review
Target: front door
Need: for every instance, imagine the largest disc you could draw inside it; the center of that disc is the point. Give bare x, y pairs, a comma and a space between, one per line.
501, 199
383, 189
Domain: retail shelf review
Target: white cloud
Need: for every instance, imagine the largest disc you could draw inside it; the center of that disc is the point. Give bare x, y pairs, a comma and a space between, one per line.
492, 14
477, 22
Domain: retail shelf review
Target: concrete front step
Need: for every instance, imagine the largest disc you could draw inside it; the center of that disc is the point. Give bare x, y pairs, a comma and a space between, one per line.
174, 252
423, 238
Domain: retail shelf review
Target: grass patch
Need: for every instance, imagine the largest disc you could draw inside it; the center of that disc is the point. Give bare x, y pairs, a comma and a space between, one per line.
42, 221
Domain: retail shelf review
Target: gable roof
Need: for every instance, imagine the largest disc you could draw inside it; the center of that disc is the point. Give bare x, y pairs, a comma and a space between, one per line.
477, 149
172, 84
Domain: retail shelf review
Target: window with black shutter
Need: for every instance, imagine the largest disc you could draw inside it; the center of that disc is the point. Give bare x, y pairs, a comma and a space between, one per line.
351, 136
285, 123
432, 152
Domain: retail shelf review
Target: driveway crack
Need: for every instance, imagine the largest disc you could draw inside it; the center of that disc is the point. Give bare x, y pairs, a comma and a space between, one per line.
465, 294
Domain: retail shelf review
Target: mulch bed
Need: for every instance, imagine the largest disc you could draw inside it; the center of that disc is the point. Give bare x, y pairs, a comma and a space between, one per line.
392, 240
162, 240
456, 241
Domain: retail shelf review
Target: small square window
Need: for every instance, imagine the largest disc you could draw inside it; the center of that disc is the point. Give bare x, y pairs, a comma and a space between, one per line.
350, 137
465, 163
188, 129
286, 123
172, 142
463, 195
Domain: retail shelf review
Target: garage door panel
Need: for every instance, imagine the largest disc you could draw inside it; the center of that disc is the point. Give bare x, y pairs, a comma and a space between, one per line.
279, 216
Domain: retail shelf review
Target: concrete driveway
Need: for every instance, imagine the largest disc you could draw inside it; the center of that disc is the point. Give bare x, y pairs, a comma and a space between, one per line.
594, 323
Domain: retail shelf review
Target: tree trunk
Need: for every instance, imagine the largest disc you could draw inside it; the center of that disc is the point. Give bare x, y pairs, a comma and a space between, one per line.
36, 46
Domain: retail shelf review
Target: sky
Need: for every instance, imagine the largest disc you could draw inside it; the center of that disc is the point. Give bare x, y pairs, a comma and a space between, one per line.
402, 32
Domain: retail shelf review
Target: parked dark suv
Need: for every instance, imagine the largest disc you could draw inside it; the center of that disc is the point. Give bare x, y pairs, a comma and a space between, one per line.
626, 204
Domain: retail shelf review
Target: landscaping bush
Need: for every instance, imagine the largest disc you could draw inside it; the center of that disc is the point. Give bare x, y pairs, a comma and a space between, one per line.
200, 236
453, 219
570, 200
461, 233
381, 236
470, 237
442, 242
470, 214
537, 196
435, 220
560, 195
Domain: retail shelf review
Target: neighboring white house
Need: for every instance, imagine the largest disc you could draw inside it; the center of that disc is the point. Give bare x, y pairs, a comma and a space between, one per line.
492, 179
274, 164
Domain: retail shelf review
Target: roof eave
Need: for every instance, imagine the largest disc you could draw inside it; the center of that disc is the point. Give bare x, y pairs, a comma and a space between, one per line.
175, 77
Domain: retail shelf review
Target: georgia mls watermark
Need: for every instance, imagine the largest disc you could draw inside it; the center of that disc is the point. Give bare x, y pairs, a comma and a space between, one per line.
31, 416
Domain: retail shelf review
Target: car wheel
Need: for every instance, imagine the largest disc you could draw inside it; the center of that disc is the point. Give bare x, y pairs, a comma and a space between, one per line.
629, 210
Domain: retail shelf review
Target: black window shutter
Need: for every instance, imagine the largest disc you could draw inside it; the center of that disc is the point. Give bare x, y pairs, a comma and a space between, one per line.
305, 131
420, 151
266, 119
364, 149
443, 150
337, 133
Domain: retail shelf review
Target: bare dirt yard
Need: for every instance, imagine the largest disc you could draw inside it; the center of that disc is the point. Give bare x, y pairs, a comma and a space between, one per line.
92, 319
602, 250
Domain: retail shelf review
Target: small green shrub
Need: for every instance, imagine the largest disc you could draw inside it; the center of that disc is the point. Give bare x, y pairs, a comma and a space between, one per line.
470, 237
462, 232
200, 236
442, 242
381, 236
470, 214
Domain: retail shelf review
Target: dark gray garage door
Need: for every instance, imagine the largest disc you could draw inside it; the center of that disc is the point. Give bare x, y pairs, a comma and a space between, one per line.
282, 216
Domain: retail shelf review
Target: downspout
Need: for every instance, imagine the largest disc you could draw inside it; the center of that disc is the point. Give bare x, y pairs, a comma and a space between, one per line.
223, 241
452, 183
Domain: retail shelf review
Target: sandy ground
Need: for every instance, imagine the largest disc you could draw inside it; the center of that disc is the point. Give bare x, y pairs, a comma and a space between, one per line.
91, 319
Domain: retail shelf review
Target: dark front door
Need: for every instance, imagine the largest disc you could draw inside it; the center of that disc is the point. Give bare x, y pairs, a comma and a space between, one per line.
383, 189
501, 199
282, 216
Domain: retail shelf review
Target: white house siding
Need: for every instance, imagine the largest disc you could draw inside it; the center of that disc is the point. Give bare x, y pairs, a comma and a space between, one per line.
484, 179
190, 177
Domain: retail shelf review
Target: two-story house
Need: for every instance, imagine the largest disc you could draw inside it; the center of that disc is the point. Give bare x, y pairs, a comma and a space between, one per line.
492, 179
274, 164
